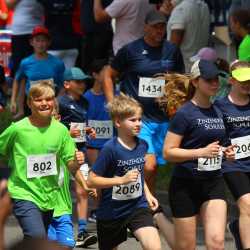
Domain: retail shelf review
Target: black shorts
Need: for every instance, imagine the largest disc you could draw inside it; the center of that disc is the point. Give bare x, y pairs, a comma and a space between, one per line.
186, 196
238, 183
111, 233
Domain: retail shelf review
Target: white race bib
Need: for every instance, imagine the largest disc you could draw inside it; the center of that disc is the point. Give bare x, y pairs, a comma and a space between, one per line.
129, 191
151, 87
85, 170
81, 127
242, 149
210, 164
41, 165
104, 129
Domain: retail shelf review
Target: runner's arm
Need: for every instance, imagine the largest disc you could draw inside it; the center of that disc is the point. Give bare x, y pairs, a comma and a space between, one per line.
108, 84
100, 13
177, 36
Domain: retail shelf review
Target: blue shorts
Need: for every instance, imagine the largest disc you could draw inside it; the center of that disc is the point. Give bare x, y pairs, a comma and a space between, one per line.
154, 134
61, 230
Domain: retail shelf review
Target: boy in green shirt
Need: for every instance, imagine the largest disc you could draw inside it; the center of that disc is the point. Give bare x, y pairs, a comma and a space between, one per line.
35, 148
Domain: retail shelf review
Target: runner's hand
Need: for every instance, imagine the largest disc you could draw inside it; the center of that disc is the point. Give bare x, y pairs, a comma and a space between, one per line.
74, 132
91, 132
5, 202
211, 150
152, 202
79, 157
130, 176
13, 107
230, 153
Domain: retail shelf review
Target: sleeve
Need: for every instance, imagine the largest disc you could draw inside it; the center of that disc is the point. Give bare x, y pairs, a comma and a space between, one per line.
117, 8
179, 124
103, 162
20, 74
67, 152
119, 63
178, 19
7, 140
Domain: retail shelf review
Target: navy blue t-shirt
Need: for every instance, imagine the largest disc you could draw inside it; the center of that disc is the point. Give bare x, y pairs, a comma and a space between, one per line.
199, 127
72, 110
138, 59
237, 123
116, 160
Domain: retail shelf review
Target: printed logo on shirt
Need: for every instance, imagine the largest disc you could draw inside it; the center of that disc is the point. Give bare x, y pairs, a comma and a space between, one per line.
239, 122
211, 123
72, 106
144, 52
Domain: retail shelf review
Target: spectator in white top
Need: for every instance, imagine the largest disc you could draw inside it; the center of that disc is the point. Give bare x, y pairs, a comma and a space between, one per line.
188, 27
27, 15
129, 16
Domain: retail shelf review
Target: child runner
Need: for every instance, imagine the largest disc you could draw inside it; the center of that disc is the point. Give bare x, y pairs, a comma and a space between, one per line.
61, 228
73, 108
98, 116
119, 173
236, 115
39, 66
193, 143
35, 147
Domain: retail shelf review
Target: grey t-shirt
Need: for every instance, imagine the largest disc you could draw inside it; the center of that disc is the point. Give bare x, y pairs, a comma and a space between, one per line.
193, 17
129, 16
27, 15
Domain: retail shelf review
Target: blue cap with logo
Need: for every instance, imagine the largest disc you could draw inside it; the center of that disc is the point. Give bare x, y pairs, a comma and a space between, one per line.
75, 73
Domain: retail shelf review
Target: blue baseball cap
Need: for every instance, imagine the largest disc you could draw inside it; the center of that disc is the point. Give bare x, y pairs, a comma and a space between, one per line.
75, 73
205, 69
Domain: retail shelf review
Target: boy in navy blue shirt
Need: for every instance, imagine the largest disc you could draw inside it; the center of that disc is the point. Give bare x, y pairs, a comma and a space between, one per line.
119, 173
72, 109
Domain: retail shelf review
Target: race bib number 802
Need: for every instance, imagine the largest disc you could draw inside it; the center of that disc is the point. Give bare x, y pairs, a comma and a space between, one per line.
41, 165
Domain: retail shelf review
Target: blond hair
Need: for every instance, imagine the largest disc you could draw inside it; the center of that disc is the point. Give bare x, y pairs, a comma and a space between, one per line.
123, 106
41, 88
177, 90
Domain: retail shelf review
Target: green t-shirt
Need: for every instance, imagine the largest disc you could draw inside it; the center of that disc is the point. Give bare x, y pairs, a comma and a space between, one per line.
35, 154
244, 49
64, 202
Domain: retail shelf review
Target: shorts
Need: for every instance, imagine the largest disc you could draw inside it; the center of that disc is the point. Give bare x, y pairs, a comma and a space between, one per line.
111, 233
61, 230
186, 196
238, 183
32, 220
154, 134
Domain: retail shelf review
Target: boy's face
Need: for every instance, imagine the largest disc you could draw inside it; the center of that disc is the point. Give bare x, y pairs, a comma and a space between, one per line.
76, 87
40, 43
130, 126
42, 106
242, 88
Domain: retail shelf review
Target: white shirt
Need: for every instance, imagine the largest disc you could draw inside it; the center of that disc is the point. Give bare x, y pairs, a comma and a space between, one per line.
193, 17
27, 15
130, 16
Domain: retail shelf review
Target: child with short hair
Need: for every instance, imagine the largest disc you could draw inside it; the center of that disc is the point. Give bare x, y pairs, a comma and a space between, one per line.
35, 147
119, 173
73, 108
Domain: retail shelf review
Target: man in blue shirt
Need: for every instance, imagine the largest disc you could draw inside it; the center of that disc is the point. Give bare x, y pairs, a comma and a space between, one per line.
137, 63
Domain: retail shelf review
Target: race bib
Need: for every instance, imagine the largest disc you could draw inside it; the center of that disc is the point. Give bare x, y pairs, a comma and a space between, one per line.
104, 129
151, 87
242, 148
85, 170
81, 127
41, 165
129, 191
50, 80
210, 164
